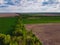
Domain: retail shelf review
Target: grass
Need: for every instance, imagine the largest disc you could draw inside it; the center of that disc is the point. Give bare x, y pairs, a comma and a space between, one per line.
6, 23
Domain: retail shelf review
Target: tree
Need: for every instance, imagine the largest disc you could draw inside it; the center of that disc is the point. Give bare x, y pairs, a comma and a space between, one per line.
7, 39
13, 43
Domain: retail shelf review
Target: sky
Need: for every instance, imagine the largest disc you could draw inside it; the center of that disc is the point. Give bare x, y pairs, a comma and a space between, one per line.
29, 7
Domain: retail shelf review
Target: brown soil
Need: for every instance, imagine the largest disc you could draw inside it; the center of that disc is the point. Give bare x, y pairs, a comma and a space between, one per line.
8, 14
49, 34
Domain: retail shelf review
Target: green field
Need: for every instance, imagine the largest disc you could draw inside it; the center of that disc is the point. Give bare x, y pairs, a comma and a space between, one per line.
7, 23
42, 19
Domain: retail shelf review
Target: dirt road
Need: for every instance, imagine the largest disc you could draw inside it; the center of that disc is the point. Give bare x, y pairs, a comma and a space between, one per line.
49, 34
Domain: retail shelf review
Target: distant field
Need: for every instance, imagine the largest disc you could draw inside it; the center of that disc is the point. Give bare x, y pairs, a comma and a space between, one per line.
7, 23
42, 19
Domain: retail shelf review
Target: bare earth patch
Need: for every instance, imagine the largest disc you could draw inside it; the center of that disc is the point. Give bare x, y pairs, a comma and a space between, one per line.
49, 34
8, 14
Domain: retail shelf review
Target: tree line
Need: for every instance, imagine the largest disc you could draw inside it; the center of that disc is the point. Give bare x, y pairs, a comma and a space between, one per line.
20, 36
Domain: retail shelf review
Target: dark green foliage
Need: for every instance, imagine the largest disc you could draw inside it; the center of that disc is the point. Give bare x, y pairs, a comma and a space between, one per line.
17, 33
29, 42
